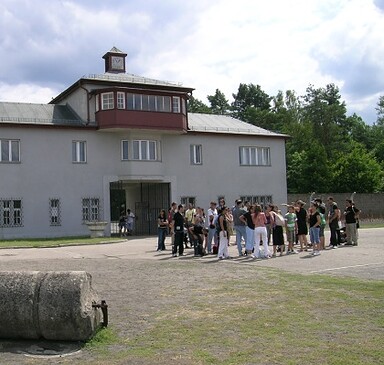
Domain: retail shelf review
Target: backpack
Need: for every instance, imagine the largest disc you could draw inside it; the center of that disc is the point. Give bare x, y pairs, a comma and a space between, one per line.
279, 219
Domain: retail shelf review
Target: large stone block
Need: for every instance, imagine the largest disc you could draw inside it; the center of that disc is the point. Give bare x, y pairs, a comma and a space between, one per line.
50, 305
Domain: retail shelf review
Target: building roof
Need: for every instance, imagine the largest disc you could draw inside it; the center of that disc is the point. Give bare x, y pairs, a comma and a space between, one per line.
27, 113
130, 79
63, 115
213, 123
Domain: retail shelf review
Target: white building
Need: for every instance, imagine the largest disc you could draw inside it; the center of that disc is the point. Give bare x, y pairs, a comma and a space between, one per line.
115, 141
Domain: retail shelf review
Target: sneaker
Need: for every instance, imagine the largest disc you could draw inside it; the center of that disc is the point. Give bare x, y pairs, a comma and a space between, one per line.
316, 253
174, 255
274, 255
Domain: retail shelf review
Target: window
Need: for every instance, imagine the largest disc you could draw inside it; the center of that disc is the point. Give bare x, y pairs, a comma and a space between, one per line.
107, 101
10, 150
196, 154
90, 209
144, 150
124, 150
152, 103
79, 151
54, 212
262, 200
163, 103
120, 100
176, 104
185, 200
10, 213
255, 156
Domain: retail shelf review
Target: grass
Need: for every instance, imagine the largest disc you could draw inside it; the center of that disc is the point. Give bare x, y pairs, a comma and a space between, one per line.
274, 318
54, 242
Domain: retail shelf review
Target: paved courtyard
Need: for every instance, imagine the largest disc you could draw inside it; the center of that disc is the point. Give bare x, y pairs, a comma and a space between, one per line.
364, 261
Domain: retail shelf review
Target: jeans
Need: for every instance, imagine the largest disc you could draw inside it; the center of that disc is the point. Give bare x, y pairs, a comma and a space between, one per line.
333, 238
240, 233
314, 234
211, 235
161, 234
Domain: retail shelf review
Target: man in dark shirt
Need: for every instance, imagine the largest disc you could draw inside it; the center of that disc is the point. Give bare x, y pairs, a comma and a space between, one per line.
237, 212
351, 214
178, 228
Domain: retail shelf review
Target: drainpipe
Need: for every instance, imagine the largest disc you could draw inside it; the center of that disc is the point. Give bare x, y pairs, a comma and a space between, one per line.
88, 99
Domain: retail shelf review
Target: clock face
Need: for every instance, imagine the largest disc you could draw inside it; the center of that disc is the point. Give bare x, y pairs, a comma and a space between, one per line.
117, 63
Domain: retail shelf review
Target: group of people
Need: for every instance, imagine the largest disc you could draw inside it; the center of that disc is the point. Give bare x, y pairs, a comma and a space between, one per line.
253, 227
126, 223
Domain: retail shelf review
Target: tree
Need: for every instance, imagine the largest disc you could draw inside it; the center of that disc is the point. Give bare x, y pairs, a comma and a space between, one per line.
219, 104
249, 96
357, 171
197, 106
380, 111
323, 109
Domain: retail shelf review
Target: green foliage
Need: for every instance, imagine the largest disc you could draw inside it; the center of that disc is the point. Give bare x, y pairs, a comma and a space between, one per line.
357, 171
219, 104
380, 111
249, 96
197, 106
327, 151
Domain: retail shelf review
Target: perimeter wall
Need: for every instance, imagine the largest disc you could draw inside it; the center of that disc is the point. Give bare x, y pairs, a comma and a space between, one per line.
371, 205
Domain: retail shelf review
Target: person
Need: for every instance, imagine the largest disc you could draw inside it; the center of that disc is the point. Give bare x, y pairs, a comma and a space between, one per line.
223, 233
321, 209
333, 221
351, 214
189, 214
229, 218
171, 212
302, 227
130, 220
240, 226
178, 229
314, 228
269, 224
246, 218
196, 232
212, 217
122, 223
291, 228
162, 229
277, 230
260, 232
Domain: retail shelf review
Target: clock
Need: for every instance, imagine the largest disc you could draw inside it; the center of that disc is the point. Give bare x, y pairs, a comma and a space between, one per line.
117, 63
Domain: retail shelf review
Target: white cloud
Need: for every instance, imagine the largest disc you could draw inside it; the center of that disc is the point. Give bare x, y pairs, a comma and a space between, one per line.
205, 44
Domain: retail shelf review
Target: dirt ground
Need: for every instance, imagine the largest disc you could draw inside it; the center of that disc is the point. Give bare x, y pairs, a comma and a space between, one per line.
131, 277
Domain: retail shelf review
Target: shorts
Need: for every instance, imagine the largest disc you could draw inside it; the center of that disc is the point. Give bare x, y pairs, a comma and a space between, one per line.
290, 236
321, 234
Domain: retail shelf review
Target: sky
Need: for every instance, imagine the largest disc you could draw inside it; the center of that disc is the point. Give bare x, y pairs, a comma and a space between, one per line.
47, 45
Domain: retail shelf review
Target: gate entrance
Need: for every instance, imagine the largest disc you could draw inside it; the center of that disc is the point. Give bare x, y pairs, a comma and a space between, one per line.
145, 200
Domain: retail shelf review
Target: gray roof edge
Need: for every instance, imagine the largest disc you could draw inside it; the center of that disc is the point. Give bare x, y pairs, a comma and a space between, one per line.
213, 125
